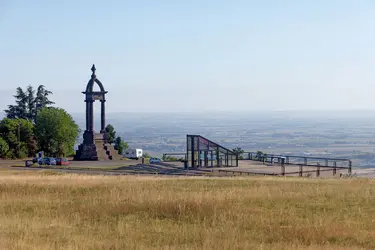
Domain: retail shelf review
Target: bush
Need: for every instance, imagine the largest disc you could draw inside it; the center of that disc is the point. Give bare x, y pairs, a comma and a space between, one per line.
4, 148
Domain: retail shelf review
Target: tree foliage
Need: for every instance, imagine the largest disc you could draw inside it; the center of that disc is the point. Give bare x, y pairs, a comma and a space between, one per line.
28, 102
259, 155
41, 99
56, 132
17, 133
111, 133
120, 145
238, 151
4, 148
172, 158
146, 155
32, 145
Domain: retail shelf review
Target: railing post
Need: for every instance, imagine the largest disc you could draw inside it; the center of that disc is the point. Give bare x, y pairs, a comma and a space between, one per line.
317, 171
334, 168
300, 170
350, 167
305, 160
282, 167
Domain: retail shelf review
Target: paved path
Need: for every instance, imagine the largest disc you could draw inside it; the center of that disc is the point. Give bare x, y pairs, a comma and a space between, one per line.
137, 169
166, 169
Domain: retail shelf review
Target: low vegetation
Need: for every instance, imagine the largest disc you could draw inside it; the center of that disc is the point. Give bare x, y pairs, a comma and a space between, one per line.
40, 210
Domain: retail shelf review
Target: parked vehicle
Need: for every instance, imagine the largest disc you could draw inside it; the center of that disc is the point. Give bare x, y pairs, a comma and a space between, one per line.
47, 161
36, 159
40, 161
62, 161
133, 153
154, 160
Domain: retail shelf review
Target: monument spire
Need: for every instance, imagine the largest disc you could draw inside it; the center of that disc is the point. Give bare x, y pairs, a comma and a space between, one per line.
93, 69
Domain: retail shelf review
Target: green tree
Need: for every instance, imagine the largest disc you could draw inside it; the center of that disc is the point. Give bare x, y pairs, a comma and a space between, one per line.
17, 134
20, 109
28, 103
146, 155
172, 158
238, 151
259, 155
4, 148
56, 132
111, 133
120, 145
41, 99
32, 145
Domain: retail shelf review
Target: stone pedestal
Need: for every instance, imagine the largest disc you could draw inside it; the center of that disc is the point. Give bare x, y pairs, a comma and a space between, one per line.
89, 137
86, 152
92, 144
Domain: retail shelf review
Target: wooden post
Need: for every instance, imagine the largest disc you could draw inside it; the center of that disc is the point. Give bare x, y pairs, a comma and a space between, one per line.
334, 168
250, 156
305, 160
199, 154
300, 170
350, 167
317, 171
282, 167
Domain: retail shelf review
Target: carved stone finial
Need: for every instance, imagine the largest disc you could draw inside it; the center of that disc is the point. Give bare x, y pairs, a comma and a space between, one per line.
93, 69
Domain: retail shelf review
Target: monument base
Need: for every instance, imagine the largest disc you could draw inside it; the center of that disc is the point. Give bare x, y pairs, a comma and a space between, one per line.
86, 152
93, 147
88, 137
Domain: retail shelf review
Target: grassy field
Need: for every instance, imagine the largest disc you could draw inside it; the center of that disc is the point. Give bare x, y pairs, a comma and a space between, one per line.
44, 210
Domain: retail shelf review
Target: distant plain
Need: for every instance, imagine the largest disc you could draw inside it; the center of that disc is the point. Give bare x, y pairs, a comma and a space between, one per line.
340, 134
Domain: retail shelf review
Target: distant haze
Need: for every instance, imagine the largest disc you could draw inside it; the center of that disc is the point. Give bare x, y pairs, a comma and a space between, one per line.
189, 56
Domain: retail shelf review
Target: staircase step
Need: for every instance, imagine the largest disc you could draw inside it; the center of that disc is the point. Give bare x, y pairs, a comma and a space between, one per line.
102, 153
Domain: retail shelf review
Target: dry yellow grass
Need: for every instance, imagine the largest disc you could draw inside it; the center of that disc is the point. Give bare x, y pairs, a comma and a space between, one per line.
46, 211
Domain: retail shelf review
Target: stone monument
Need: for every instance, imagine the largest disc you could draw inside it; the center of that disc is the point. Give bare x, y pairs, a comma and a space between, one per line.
87, 151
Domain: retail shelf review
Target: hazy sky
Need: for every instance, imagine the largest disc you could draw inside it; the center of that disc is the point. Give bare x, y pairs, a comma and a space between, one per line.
169, 55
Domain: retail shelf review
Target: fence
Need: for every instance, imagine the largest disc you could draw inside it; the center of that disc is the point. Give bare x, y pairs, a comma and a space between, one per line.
304, 163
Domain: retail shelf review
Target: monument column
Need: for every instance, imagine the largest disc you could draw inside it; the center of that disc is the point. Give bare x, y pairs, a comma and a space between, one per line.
87, 115
91, 114
102, 116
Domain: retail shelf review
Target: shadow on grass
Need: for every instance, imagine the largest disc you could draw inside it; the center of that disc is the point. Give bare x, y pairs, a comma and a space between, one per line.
139, 169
